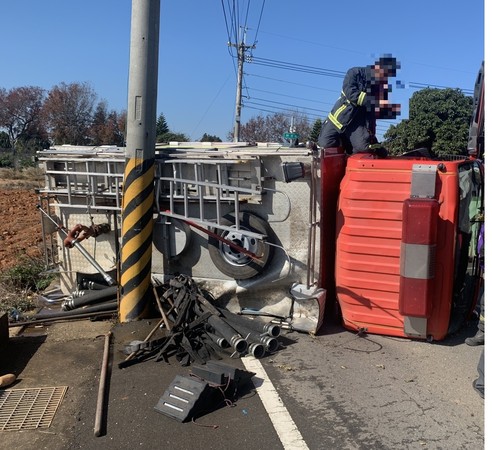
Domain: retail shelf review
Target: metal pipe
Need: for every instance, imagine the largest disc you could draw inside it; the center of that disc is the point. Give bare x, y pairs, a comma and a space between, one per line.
74, 316
236, 341
108, 306
271, 329
92, 285
81, 249
252, 336
283, 324
257, 350
161, 309
102, 387
88, 299
219, 340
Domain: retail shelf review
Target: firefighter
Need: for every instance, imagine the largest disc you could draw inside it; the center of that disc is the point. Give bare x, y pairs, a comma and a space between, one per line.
351, 123
479, 338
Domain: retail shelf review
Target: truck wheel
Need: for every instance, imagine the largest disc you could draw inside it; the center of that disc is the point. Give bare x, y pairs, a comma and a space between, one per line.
232, 262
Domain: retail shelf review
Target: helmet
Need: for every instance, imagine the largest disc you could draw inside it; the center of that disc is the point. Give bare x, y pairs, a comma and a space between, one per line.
389, 64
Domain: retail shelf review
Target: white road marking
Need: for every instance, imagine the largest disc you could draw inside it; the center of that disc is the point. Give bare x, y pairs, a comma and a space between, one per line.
285, 427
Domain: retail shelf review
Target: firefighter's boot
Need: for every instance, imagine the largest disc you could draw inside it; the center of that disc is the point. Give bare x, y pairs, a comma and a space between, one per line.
478, 339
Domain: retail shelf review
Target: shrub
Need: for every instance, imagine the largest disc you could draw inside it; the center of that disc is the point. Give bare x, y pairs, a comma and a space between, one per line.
20, 284
28, 274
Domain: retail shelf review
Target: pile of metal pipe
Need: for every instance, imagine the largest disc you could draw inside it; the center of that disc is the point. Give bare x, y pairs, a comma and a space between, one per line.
248, 328
206, 329
243, 335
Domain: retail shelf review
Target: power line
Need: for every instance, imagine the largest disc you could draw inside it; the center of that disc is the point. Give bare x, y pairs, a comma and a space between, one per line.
287, 104
288, 96
283, 37
240, 46
330, 72
414, 85
275, 110
226, 23
292, 82
295, 67
255, 40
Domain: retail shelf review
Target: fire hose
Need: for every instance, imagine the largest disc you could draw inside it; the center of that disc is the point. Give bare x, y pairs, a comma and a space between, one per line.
90, 298
271, 329
111, 305
236, 341
75, 243
252, 336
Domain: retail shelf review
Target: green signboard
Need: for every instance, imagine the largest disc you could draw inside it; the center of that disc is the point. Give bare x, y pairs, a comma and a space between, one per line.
291, 135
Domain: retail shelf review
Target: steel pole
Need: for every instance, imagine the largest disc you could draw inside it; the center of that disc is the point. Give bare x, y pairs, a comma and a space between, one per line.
138, 185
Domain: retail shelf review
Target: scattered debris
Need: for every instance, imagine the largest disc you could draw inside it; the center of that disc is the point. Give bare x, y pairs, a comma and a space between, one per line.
207, 388
200, 331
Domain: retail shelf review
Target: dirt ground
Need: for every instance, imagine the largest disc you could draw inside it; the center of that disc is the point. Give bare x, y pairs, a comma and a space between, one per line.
20, 223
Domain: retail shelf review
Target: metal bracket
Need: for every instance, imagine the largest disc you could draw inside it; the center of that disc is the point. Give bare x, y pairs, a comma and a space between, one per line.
423, 181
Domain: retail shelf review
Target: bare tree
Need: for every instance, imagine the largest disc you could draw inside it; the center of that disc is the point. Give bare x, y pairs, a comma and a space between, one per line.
271, 128
20, 115
69, 112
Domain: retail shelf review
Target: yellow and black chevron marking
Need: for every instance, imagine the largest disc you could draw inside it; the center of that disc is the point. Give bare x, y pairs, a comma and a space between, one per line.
136, 250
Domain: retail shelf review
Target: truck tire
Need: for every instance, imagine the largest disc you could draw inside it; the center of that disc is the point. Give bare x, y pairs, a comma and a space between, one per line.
233, 263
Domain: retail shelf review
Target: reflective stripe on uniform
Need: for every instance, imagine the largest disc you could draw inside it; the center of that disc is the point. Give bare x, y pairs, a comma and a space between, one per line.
361, 98
334, 121
334, 117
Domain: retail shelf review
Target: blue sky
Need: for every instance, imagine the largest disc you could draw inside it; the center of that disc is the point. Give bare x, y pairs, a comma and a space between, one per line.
438, 42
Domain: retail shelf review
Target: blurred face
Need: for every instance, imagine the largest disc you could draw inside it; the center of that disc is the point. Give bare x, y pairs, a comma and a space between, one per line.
380, 74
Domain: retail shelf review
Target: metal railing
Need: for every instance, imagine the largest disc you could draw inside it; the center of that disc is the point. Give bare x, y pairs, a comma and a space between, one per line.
77, 182
207, 185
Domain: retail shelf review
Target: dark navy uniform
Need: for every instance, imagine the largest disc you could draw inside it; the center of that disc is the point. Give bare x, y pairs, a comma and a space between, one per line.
351, 122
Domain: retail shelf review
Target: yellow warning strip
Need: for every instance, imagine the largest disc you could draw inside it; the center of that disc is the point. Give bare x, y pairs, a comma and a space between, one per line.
133, 245
132, 218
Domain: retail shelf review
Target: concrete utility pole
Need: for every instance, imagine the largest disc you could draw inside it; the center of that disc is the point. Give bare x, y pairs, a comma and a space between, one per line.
241, 48
138, 184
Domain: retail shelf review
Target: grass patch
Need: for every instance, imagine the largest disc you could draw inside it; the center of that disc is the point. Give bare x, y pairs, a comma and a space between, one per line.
26, 178
20, 285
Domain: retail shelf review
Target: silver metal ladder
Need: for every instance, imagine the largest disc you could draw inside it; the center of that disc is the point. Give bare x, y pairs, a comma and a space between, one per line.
92, 182
207, 184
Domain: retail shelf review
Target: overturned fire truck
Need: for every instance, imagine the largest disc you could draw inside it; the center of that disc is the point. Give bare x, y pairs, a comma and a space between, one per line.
389, 245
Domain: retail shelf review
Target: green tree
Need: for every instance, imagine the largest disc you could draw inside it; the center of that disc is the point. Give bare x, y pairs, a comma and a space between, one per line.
4, 140
172, 137
161, 126
439, 120
210, 138
315, 130
99, 120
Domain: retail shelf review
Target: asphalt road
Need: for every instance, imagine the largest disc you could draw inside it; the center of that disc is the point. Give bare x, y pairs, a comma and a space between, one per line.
342, 391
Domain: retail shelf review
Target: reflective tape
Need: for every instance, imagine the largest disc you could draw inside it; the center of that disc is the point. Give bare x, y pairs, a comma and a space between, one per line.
361, 98
418, 261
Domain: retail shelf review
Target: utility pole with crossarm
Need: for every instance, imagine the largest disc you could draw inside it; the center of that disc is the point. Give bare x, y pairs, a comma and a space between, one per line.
241, 49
